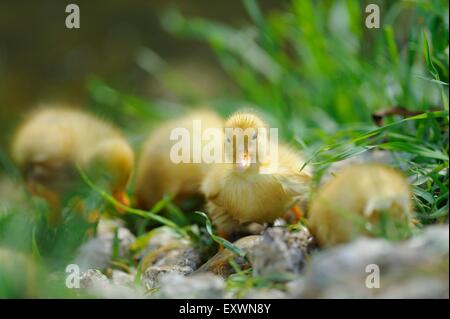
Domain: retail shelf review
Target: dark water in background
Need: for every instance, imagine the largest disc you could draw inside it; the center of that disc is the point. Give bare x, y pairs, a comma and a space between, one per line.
40, 59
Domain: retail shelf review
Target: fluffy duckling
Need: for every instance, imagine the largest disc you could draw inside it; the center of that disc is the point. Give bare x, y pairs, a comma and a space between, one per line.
352, 203
242, 191
157, 175
50, 144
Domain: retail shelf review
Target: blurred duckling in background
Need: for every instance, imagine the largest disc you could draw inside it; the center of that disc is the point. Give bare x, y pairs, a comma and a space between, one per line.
240, 192
158, 176
357, 201
50, 144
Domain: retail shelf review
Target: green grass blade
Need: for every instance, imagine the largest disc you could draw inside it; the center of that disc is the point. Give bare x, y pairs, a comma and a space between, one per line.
221, 241
144, 214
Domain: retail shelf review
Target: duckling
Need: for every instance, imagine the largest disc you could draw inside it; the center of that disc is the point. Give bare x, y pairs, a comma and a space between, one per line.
241, 192
54, 140
352, 203
158, 175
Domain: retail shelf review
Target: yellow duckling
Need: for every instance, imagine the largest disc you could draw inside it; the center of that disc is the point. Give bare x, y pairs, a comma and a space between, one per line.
243, 191
158, 175
50, 144
352, 203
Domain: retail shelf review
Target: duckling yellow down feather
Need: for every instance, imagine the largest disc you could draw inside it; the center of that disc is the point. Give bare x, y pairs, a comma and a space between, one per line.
53, 140
157, 174
352, 202
239, 192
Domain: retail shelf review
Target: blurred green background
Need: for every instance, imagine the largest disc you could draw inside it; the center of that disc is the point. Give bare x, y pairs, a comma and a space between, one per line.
320, 49
40, 59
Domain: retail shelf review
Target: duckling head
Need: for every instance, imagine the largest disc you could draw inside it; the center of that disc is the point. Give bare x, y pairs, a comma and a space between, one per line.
112, 161
244, 133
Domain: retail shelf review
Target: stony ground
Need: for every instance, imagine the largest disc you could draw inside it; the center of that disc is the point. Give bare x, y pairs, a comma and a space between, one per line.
279, 263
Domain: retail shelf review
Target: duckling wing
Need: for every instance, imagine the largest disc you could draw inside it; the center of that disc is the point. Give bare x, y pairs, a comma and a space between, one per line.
213, 182
296, 185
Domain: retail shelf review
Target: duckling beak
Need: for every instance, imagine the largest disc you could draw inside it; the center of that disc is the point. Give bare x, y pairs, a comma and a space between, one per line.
244, 163
122, 198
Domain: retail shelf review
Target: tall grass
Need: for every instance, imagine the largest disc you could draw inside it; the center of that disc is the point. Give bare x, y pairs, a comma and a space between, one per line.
321, 74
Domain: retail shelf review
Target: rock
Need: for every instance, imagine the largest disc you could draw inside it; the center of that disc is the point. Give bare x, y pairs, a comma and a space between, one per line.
295, 288
416, 268
434, 239
121, 278
281, 251
160, 237
203, 286
111, 291
97, 252
219, 263
173, 255
97, 285
167, 249
152, 275
265, 294
420, 288
167, 252
93, 278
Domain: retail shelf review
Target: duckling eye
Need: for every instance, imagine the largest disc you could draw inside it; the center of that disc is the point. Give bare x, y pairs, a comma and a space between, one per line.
228, 140
254, 136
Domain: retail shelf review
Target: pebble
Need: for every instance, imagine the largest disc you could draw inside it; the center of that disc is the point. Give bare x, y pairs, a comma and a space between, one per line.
415, 268
198, 286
